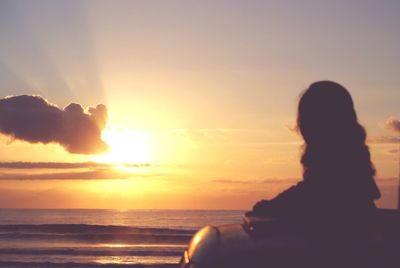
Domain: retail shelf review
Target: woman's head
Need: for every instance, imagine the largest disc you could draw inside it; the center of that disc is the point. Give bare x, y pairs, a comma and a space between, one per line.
335, 149
325, 113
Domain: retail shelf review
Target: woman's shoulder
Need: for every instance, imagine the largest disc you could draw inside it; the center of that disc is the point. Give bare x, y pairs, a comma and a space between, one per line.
286, 202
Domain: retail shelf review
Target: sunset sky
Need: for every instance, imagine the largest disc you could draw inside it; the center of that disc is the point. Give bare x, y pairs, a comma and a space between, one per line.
198, 97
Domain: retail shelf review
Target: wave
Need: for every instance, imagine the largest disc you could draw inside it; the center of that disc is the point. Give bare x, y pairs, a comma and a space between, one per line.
97, 251
16, 264
95, 233
82, 245
85, 228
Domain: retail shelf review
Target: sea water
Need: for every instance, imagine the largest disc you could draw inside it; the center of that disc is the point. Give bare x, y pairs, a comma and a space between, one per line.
101, 238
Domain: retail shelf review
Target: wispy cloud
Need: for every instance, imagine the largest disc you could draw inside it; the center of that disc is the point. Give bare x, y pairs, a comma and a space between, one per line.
230, 181
35, 120
69, 171
384, 140
62, 165
80, 175
257, 181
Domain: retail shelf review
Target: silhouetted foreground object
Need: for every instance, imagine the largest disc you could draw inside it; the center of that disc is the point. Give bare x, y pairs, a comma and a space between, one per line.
338, 188
327, 220
262, 242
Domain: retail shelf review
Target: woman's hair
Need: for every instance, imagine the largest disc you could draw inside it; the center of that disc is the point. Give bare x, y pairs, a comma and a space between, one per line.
334, 148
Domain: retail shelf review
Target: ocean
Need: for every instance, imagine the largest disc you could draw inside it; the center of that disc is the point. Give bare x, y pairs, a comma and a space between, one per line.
101, 238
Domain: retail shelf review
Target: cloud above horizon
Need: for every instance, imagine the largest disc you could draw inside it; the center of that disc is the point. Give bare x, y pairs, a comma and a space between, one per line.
33, 119
101, 174
384, 140
393, 124
258, 181
64, 165
44, 171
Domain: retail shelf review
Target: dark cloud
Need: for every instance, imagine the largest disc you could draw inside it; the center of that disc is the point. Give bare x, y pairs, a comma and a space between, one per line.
51, 165
393, 124
33, 119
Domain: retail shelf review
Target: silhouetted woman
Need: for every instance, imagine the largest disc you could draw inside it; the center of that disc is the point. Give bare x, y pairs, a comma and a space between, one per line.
338, 189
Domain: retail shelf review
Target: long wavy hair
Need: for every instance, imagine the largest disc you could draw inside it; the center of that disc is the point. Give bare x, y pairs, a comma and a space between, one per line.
335, 153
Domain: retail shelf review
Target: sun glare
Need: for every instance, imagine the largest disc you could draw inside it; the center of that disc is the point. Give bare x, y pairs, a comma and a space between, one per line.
126, 147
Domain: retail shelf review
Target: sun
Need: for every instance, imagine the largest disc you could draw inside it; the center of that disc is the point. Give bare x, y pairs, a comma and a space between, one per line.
126, 146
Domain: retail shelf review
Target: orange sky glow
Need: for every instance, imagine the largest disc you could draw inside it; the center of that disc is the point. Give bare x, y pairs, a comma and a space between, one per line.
200, 97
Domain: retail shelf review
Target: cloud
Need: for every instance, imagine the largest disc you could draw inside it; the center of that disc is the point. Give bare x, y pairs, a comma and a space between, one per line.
384, 140
393, 124
393, 151
79, 175
33, 119
23, 171
258, 181
62, 165
229, 181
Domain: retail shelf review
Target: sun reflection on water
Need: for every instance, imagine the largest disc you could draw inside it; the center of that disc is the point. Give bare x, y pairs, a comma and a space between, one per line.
145, 260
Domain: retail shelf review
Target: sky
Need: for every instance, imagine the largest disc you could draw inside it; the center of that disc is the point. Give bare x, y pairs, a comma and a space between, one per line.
182, 104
